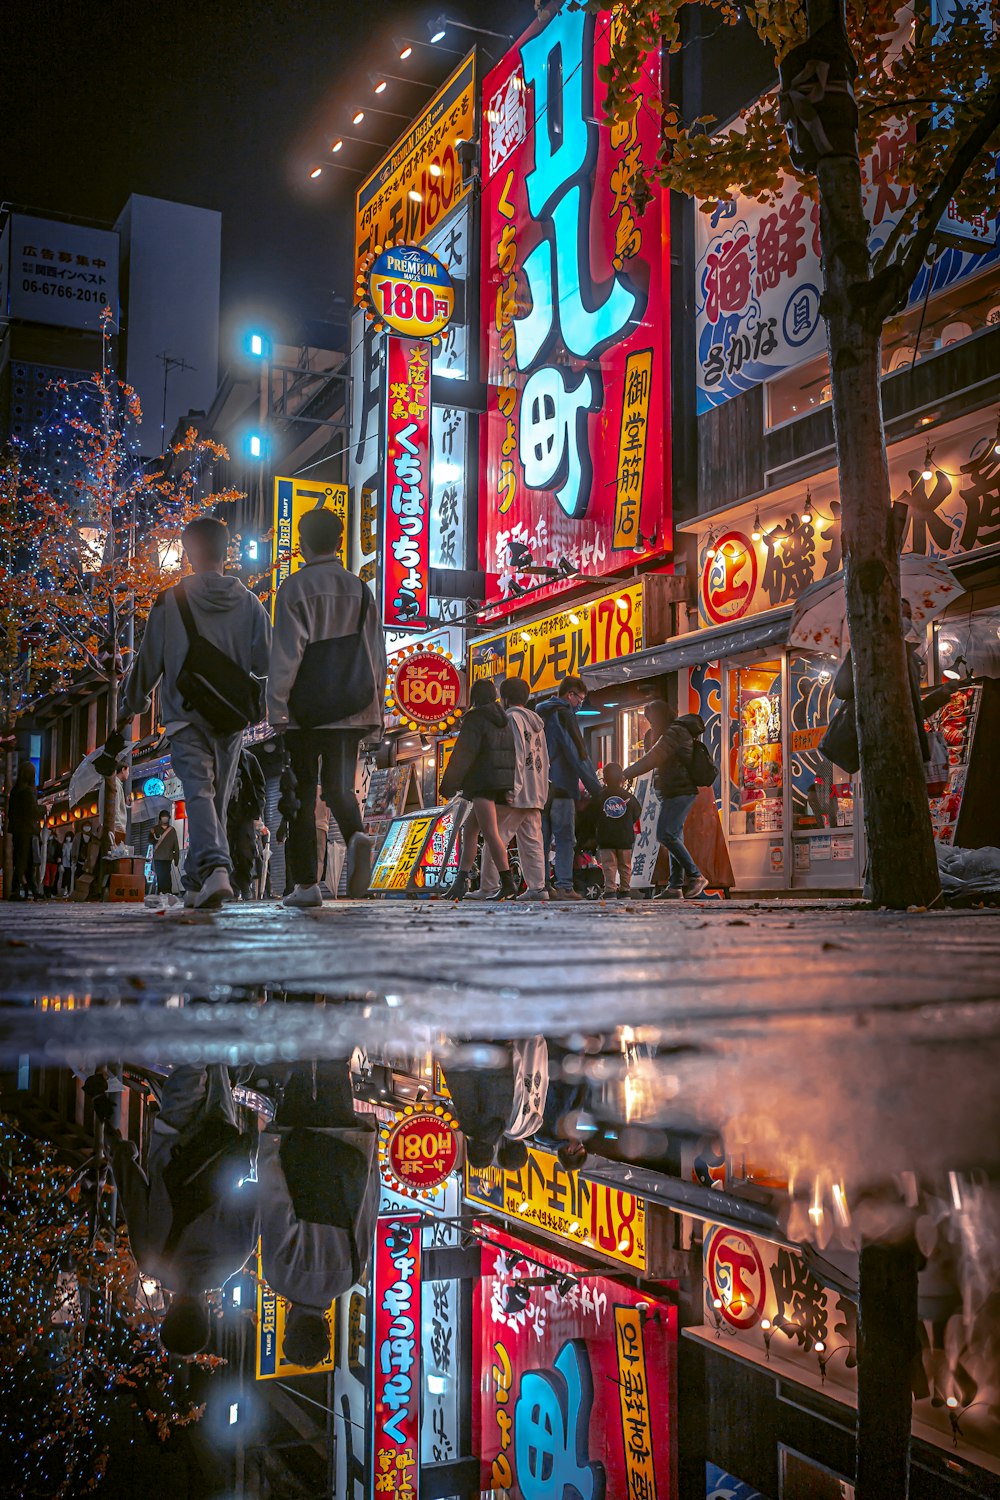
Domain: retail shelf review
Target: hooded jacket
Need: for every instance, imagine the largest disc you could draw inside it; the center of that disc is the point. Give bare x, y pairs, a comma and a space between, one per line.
319, 602
531, 756
483, 762
569, 763
225, 613
670, 756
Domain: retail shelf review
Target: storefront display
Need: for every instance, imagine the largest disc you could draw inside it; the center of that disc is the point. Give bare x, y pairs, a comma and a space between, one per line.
967, 815
420, 852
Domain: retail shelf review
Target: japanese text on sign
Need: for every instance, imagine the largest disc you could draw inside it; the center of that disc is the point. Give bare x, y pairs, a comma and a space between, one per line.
57, 273
545, 651
406, 529
589, 1214
424, 163
292, 498
396, 1362
633, 1396
573, 313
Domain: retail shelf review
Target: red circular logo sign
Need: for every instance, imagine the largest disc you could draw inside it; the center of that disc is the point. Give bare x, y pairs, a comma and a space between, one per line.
729, 579
426, 689
421, 1150
736, 1279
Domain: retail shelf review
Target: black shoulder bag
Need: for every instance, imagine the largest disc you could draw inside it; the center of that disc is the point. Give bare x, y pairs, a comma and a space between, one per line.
211, 684
335, 680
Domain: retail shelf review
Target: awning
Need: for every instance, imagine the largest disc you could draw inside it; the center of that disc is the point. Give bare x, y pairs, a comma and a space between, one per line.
693, 649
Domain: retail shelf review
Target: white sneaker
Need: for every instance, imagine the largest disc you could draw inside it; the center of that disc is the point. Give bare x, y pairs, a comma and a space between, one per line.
190, 899
215, 891
482, 895
359, 865
303, 895
530, 895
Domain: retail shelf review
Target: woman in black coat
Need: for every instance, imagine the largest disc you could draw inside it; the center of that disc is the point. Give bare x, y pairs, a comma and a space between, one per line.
23, 818
482, 769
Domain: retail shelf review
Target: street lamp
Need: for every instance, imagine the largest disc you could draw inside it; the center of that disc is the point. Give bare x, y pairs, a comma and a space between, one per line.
381, 81
437, 29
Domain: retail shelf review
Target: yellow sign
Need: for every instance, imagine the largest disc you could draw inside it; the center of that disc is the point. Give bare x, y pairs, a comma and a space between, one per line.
272, 1312
633, 1396
590, 1215
292, 498
421, 179
398, 856
808, 739
545, 651
632, 448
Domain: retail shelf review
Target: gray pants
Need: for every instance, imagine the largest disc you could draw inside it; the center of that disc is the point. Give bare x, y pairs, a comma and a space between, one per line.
206, 764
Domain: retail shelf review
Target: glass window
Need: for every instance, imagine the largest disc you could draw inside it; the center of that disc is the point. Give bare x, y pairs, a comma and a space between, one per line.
634, 726
822, 794
756, 771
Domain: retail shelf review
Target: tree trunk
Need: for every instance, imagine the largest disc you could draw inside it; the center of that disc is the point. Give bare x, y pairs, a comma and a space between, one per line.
8, 843
108, 820
902, 861
887, 1322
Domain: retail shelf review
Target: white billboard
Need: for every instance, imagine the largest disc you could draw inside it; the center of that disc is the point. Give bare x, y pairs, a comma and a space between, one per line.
58, 273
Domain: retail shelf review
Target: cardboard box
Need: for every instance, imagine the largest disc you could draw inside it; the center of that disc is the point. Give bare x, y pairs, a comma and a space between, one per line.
130, 865
126, 888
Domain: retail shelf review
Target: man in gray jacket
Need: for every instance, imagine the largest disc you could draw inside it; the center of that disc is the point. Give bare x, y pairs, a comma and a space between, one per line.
229, 616
326, 632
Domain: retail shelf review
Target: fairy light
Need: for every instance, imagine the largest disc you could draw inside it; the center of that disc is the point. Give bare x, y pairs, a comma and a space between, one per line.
927, 473
756, 534
807, 509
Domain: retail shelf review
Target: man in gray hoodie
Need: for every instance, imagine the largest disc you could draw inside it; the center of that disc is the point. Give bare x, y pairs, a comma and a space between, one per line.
229, 616
327, 635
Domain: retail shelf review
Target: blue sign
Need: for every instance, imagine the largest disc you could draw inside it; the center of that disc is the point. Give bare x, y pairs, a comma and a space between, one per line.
154, 787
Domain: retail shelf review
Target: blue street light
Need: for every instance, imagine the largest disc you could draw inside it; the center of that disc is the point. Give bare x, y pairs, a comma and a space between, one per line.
256, 445
257, 345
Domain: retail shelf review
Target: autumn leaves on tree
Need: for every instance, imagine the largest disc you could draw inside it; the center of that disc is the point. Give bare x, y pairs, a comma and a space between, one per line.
845, 74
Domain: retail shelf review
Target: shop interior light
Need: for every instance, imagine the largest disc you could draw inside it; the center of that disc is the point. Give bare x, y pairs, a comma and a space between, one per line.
927, 473
959, 670
756, 534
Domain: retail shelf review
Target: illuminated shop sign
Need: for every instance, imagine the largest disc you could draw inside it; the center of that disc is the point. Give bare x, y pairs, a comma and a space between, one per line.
396, 1361
406, 528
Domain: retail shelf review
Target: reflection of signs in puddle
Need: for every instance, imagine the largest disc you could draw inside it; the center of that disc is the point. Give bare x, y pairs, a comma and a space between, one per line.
552, 1428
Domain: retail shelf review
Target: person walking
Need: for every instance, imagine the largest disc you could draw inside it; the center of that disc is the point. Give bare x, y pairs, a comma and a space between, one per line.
325, 694
521, 817
317, 1171
616, 811
166, 852
193, 1214
246, 805
203, 640
66, 866
23, 819
569, 765
482, 767
670, 752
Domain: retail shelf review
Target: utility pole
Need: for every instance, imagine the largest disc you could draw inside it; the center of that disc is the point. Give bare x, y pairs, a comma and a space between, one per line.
170, 362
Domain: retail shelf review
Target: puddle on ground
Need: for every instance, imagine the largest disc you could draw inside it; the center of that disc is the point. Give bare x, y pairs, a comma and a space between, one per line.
303, 1240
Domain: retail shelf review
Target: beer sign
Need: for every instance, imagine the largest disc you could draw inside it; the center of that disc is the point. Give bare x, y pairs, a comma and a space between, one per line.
425, 689
409, 291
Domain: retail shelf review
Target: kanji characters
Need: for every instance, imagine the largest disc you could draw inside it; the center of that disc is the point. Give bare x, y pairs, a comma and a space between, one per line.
790, 559
728, 278
780, 243
552, 1429
800, 1301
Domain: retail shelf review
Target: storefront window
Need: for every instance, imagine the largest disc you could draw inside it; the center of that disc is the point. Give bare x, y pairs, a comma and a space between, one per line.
969, 644
755, 762
822, 794
634, 726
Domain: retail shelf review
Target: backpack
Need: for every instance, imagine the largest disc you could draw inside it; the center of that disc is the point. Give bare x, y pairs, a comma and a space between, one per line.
335, 680
704, 771
211, 684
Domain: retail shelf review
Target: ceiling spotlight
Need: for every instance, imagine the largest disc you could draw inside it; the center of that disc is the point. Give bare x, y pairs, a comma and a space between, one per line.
357, 117
711, 549
435, 171
405, 52
959, 670
436, 30
379, 85
338, 145
316, 172
927, 473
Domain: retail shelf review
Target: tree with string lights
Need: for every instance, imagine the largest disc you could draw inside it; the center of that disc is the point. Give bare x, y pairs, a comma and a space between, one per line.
78, 1336
84, 552
846, 72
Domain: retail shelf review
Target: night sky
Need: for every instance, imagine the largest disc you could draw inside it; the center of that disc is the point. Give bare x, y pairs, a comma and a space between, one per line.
221, 103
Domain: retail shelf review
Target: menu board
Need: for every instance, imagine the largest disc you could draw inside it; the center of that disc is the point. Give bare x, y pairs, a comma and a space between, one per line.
957, 723
419, 854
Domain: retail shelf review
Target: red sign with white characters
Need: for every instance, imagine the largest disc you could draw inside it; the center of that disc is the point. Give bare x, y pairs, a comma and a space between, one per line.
421, 1150
577, 1381
396, 1357
575, 308
406, 520
729, 579
426, 689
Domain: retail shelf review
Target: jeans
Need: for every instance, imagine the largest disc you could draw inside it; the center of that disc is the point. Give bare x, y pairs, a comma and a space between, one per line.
328, 757
206, 764
559, 823
670, 833
524, 824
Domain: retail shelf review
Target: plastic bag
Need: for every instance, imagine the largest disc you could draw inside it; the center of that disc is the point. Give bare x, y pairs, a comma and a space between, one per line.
968, 869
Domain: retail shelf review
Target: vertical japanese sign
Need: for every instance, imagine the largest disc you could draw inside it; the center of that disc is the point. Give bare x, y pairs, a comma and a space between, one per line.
406, 509
572, 1378
292, 498
396, 1360
350, 1384
575, 309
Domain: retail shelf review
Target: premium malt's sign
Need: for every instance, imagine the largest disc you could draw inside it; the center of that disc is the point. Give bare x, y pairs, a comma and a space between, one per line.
406, 516
409, 291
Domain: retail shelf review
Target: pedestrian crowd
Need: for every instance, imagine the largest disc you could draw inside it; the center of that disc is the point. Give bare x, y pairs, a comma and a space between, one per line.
209, 647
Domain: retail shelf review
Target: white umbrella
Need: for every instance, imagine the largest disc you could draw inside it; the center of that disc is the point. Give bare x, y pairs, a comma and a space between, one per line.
819, 619
85, 779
